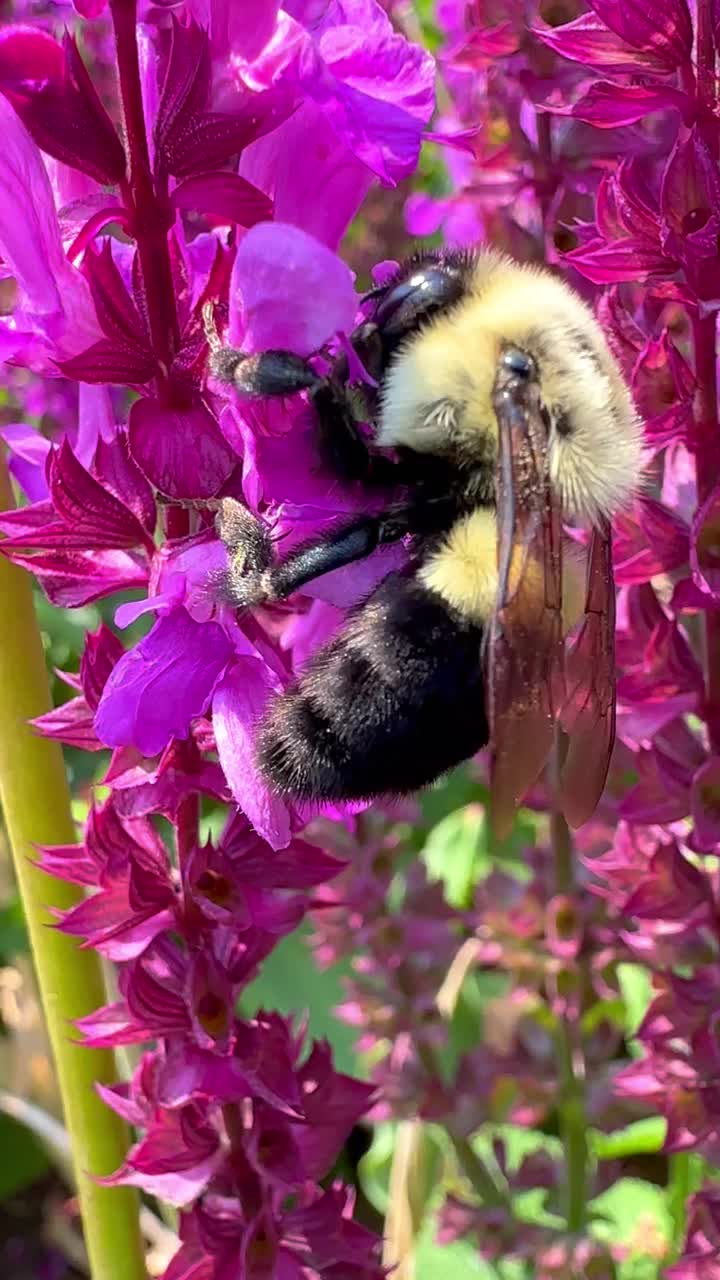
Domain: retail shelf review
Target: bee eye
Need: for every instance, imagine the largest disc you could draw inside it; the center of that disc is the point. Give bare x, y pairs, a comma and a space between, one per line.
563, 423
520, 363
426, 290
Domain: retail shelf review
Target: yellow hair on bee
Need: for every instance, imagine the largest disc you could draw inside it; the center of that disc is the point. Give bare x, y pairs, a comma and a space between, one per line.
438, 392
463, 571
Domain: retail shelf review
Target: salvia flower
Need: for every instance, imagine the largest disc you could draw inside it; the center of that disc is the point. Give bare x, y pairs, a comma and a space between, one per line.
123, 212
140, 183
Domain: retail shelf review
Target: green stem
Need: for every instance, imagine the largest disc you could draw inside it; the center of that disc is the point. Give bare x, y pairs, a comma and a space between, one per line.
571, 1105
573, 1125
36, 806
478, 1173
686, 1172
488, 1189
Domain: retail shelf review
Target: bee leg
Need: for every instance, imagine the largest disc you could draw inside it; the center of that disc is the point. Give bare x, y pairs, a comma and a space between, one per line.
272, 373
343, 447
394, 700
252, 578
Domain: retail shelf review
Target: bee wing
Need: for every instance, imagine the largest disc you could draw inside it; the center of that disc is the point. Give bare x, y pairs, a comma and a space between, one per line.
525, 674
588, 716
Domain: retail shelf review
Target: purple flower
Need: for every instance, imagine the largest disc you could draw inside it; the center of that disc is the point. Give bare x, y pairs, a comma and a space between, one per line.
236, 1120
54, 315
700, 1255
140, 706
266, 297
591, 145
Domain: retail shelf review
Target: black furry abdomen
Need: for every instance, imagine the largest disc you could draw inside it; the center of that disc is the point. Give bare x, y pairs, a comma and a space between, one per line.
389, 704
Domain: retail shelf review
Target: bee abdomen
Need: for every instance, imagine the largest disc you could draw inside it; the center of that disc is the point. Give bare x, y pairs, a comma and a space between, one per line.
392, 702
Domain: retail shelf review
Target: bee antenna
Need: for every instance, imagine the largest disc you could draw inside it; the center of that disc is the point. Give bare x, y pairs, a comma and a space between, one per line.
210, 326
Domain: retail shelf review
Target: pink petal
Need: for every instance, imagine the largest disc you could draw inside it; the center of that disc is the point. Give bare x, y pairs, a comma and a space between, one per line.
28, 455
344, 181
294, 293
609, 106
705, 545
57, 296
181, 451
705, 806
157, 688
224, 196
239, 701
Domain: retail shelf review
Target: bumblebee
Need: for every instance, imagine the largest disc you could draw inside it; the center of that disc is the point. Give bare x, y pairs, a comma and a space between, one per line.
500, 413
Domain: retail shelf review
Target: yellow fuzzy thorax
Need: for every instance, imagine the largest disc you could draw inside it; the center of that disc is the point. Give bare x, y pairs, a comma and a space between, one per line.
463, 571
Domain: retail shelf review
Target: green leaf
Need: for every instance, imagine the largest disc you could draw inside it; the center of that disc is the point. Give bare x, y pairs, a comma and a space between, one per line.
374, 1167
63, 632
519, 1142
465, 1026
602, 1011
636, 991
451, 793
291, 982
455, 852
13, 931
643, 1137
457, 1261
23, 1159
635, 1214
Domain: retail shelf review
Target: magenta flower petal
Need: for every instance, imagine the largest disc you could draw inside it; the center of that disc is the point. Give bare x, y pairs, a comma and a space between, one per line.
101, 654
87, 508
72, 723
157, 688
610, 106
345, 587
666, 32
115, 468
55, 298
178, 1188
293, 292
225, 196
28, 455
424, 213
649, 540
342, 178
89, 8
384, 90
333, 1104
705, 806
189, 136
50, 88
673, 888
245, 32
589, 41
630, 259
239, 701
70, 578
181, 451
705, 545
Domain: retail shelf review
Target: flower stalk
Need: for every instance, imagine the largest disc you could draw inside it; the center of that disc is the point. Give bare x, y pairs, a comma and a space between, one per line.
685, 1177
573, 1119
707, 468
149, 221
36, 808
707, 444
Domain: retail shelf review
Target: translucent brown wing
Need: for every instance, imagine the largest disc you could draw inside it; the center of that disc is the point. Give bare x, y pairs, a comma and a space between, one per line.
588, 715
525, 674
